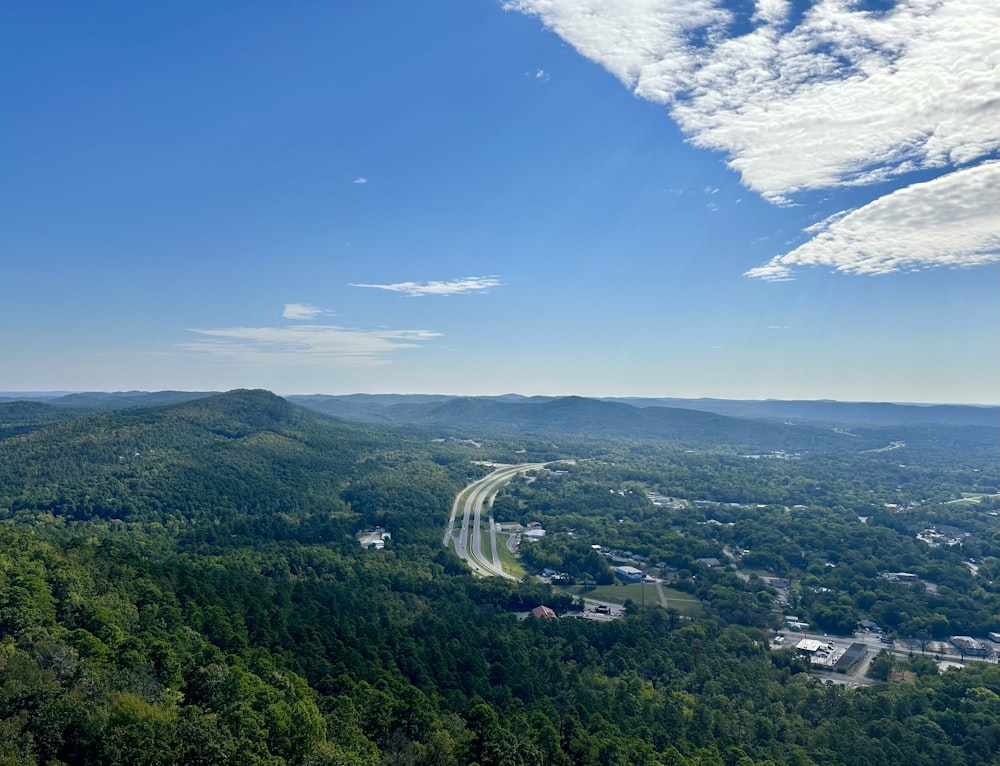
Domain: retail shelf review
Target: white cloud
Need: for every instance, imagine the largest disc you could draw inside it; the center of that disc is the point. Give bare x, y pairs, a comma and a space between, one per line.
847, 98
838, 96
541, 74
305, 345
771, 11
629, 37
844, 96
360, 180
303, 311
950, 221
451, 287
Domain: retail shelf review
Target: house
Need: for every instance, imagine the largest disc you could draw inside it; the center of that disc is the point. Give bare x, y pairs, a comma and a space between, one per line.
543, 613
711, 562
870, 626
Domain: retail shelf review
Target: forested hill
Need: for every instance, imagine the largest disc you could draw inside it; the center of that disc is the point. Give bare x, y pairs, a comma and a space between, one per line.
579, 416
23, 416
209, 462
182, 584
374, 406
753, 424
29, 412
564, 415
92, 401
572, 416
806, 411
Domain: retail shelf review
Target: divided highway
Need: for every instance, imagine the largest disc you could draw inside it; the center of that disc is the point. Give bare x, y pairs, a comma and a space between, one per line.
469, 539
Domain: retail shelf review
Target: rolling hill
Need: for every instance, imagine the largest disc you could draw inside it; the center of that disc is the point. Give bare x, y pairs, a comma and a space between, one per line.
212, 458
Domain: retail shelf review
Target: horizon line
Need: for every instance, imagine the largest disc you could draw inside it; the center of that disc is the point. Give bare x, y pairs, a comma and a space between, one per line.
56, 393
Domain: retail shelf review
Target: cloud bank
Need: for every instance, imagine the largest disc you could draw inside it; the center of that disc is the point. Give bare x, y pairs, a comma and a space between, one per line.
452, 287
305, 345
832, 96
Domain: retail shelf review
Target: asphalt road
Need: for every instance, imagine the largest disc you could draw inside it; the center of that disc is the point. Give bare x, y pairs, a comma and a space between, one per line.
469, 503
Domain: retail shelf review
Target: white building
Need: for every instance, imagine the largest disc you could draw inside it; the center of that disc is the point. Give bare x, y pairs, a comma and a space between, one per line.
630, 574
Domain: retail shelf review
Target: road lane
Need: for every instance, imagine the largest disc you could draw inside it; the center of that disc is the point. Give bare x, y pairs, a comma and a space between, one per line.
470, 501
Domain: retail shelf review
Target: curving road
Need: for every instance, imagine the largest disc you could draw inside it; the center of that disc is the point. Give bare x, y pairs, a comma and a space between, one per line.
470, 501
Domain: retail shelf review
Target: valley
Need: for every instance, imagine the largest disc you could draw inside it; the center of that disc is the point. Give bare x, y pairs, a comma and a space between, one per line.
181, 581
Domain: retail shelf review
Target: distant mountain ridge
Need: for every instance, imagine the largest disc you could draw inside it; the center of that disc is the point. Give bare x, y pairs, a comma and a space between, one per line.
820, 410
25, 411
831, 411
271, 436
577, 417
827, 410
799, 428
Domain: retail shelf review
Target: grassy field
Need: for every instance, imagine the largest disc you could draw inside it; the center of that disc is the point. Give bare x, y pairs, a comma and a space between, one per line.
617, 594
487, 545
510, 564
683, 602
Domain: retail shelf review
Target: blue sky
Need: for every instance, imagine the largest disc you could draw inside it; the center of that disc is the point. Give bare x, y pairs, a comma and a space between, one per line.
634, 198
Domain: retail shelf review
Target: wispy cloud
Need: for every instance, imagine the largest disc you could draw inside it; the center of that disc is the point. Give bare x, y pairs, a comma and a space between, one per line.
301, 311
541, 74
450, 287
830, 97
950, 221
360, 181
305, 345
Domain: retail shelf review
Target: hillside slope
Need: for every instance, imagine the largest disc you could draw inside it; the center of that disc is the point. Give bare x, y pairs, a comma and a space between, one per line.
213, 458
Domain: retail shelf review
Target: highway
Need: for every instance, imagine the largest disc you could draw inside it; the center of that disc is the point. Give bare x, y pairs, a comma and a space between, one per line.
469, 503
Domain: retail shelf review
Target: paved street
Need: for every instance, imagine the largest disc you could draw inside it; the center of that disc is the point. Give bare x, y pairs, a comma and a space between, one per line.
470, 501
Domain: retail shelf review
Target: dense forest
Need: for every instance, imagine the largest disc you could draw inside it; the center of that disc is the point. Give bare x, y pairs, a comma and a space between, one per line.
181, 582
